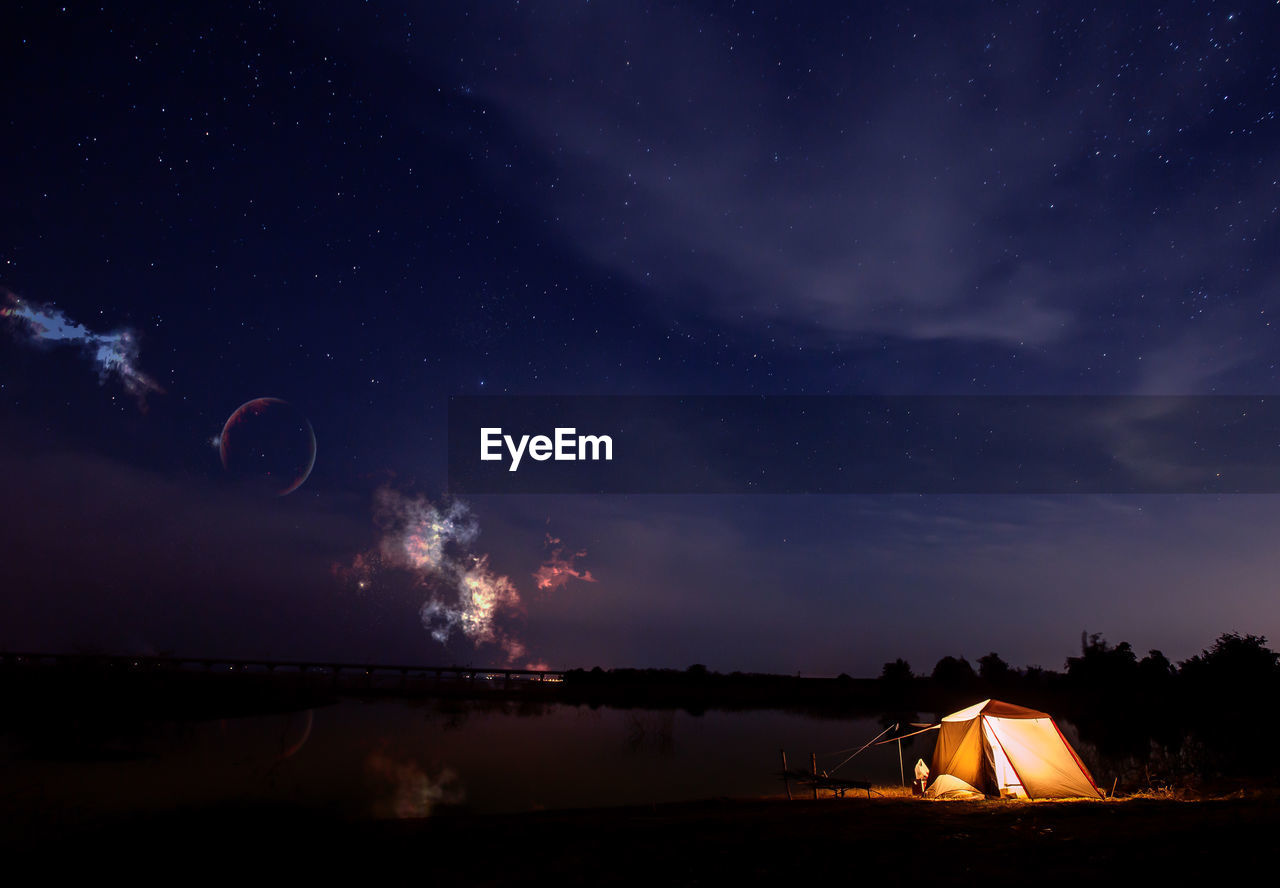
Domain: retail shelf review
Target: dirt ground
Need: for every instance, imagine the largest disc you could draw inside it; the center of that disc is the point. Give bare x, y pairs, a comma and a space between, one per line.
701, 843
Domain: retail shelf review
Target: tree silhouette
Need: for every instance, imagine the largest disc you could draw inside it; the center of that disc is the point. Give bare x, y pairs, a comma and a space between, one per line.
1155, 669
898, 671
1103, 682
954, 672
1229, 689
1234, 658
1101, 665
994, 670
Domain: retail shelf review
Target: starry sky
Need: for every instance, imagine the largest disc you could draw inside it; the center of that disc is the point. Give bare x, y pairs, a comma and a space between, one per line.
367, 208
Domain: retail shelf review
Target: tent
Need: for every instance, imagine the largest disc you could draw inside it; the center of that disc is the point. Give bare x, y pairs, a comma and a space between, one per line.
948, 787
1007, 750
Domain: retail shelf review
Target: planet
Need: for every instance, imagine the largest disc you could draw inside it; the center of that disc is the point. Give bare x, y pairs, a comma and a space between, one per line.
268, 444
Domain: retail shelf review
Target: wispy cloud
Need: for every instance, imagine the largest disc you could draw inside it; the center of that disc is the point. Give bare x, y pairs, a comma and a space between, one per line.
114, 354
942, 179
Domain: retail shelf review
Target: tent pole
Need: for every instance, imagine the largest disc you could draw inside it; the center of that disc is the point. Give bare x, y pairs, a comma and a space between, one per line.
902, 775
786, 778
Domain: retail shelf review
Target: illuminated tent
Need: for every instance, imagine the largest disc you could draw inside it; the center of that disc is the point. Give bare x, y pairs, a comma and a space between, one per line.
1007, 750
948, 787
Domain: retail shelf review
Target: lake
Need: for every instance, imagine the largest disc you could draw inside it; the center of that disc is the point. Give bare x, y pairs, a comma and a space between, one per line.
410, 758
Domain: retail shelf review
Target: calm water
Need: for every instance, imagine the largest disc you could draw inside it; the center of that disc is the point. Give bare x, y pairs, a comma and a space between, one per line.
396, 758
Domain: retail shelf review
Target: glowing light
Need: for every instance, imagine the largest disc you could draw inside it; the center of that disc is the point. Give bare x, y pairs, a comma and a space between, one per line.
413, 792
429, 545
559, 568
420, 532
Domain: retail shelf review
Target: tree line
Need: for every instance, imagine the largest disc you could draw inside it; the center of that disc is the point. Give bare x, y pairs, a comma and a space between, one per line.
1210, 715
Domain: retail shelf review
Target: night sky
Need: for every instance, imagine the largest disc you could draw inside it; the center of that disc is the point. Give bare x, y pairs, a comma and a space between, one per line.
364, 209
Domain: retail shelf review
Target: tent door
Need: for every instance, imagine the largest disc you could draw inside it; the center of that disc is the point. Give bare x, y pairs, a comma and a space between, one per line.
1006, 779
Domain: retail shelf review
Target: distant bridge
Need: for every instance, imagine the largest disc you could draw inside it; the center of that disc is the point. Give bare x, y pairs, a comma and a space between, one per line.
342, 674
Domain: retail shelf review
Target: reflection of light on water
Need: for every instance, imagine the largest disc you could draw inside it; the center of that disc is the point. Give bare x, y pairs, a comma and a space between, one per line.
653, 732
292, 749
414, 793
502, 756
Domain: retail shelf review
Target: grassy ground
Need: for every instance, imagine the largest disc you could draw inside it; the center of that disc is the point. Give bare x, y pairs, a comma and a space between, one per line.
704, 843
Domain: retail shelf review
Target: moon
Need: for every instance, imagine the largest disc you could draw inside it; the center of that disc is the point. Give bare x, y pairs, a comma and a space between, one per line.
268, 444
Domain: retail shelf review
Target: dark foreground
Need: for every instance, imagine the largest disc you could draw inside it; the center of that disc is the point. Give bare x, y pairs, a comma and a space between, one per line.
690, 844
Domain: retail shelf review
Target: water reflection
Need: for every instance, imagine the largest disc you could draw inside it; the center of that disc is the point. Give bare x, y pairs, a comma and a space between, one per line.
410, 791
394, 758
651, 732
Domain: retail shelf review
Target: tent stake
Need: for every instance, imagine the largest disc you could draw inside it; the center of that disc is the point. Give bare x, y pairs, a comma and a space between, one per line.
813, 766
786, 778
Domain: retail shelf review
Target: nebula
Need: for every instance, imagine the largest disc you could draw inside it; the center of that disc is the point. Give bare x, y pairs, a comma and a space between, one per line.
559, 568
114, 354
465, 597
430, 545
